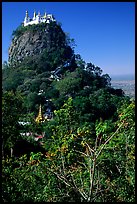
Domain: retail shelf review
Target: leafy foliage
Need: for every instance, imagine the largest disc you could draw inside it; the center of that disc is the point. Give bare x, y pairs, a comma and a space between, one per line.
88, 152
11, 109
78, 164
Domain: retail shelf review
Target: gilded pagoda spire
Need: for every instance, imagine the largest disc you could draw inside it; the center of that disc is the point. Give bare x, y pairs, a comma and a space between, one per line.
39, 118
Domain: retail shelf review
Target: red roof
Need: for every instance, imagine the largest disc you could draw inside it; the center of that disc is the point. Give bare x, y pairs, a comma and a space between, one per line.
39, 136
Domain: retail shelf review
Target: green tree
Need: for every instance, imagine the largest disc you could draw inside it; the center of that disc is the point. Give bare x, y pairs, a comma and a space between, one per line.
11, 109
102, 104
79, 164
71, 84
108, 173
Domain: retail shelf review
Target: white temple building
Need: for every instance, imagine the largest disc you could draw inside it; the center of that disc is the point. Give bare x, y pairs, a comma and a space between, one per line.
47, 18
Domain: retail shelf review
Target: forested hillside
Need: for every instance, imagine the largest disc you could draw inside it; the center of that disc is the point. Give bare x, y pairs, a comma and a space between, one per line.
83, 147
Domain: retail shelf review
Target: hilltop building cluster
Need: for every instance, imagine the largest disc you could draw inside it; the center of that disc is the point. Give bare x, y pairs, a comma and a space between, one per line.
47, 18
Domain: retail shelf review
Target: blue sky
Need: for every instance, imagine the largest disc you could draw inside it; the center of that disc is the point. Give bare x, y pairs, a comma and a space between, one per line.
104, 32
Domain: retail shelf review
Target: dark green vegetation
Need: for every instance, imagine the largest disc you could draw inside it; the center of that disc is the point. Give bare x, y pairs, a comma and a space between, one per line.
88, 151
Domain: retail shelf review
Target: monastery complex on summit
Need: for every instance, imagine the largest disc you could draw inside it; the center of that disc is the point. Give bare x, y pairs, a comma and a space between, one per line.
47, 18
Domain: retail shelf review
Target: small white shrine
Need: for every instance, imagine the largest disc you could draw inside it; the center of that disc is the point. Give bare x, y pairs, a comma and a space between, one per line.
47, 18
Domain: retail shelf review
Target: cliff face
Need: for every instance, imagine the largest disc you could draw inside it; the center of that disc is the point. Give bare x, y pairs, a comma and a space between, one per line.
33, 40
26, 45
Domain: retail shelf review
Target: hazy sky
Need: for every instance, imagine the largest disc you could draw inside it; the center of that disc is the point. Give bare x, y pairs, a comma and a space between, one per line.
104, 32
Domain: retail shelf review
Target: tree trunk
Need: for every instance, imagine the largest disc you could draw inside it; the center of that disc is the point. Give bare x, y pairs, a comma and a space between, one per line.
11, 152
2, 151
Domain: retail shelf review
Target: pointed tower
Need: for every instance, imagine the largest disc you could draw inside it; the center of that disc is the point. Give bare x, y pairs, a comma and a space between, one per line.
45, 15
38, 17
27, 15
27, 19
39, 118
34, 15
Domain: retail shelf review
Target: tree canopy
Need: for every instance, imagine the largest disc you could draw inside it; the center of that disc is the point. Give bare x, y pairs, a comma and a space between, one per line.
83, 149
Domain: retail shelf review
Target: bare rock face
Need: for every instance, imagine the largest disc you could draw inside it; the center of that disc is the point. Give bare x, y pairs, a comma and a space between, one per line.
33, 42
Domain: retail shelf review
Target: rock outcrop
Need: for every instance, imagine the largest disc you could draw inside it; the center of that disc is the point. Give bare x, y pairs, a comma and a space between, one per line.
33, 40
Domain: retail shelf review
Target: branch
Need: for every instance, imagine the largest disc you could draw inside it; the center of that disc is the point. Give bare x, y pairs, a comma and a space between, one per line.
82, 194
62, 178
98, 182
90, 149
81, 153
63, 165
97, 194
92, 178
108, 140
93, 169
83, 164
81, 181
118, 168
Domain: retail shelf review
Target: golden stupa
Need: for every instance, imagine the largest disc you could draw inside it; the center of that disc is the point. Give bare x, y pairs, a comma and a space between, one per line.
39, 118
